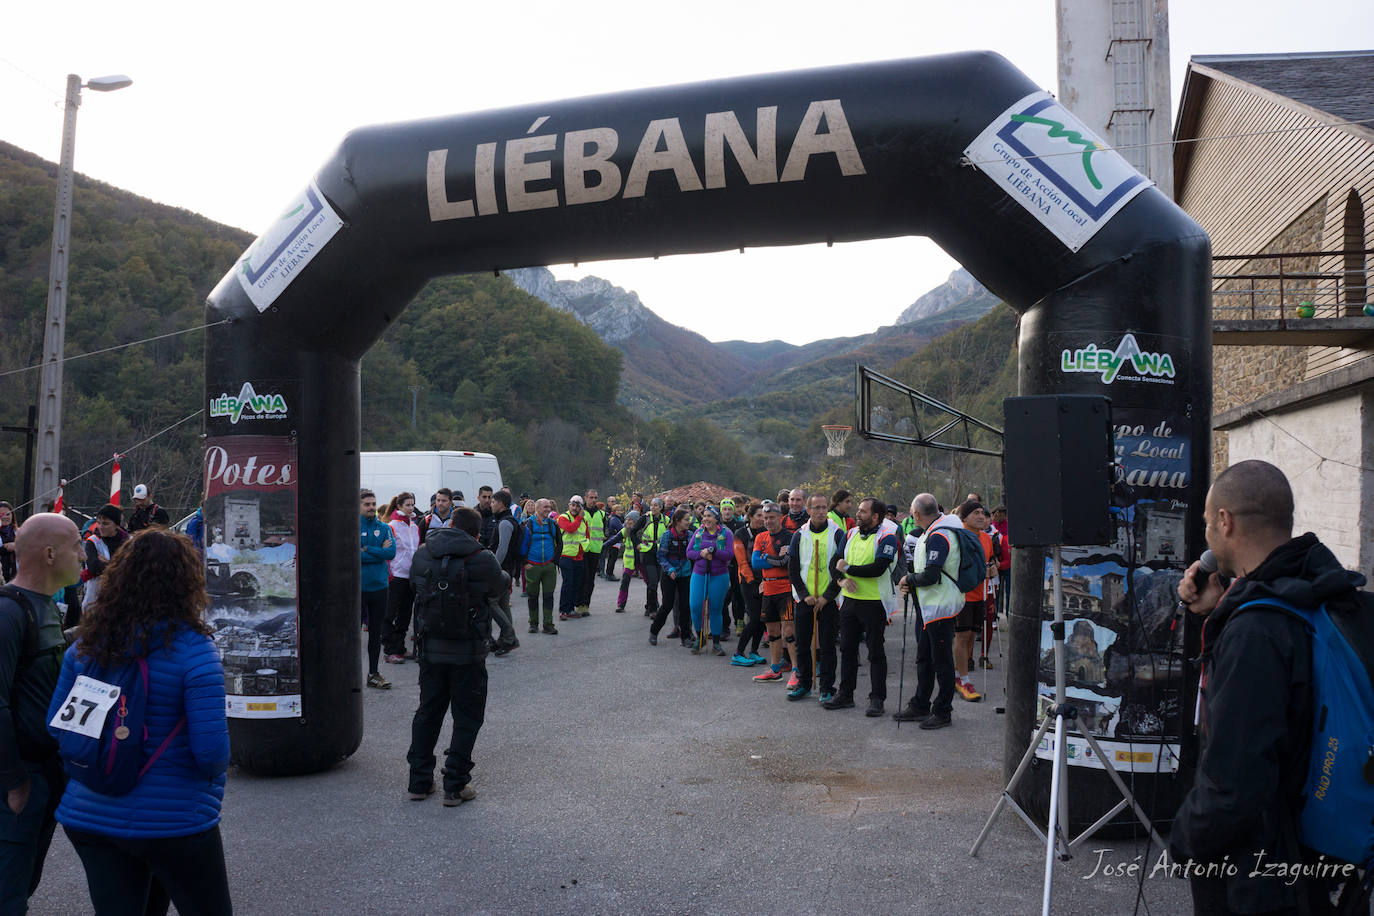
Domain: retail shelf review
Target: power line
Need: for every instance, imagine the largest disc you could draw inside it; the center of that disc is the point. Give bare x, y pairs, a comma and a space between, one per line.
67, 359
35, 80
122, 453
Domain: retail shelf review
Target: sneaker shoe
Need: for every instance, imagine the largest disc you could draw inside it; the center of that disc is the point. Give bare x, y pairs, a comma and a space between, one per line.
585, 613
550, 629
875, 709
454, 799
758, 659
653, 639
376, 680
696, 650
786, 667
395, 659
562, 616
534, 628
675, 634
501, 651
985, 662
717, 650
620, 608
798, 693
909, 713
420, 794
965, 690
933, 722
840, 701
768, 676
793, 681
826, 696
743, 661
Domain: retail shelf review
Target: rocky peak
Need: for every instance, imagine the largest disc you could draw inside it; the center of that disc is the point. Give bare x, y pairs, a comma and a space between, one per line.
613, 313
960, 287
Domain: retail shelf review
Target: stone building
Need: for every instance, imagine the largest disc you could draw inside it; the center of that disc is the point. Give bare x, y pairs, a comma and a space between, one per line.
1274, 156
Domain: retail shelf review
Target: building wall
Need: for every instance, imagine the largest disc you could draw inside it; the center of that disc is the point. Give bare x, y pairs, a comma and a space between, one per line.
1322, 449
1276, 180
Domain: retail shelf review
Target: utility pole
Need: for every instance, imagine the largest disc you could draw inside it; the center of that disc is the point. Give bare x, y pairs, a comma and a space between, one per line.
414, 402
55, 326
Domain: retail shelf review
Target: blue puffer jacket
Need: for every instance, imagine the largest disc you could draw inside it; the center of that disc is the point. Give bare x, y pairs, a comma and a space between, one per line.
182, 791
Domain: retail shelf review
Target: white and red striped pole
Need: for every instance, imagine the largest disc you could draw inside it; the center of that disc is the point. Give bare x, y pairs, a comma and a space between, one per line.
57, 505
116, 479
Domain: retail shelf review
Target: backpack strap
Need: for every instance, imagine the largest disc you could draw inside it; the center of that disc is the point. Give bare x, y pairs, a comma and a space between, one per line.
152, 759
28, 650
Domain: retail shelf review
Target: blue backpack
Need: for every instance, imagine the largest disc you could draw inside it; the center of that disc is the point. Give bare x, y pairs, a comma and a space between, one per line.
113, 761
1337, 814
973, 564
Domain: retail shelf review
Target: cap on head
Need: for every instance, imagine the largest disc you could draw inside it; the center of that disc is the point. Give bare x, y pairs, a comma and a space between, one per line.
141, 491
772, 507
576, 499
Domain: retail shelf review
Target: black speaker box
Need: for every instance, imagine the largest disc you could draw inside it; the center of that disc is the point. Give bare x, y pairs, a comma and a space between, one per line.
1059, 466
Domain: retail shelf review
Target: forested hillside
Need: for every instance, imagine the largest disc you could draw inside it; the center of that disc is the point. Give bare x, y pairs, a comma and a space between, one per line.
497, 369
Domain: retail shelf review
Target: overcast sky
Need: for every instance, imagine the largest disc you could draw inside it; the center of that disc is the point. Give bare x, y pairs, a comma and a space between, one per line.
235, 106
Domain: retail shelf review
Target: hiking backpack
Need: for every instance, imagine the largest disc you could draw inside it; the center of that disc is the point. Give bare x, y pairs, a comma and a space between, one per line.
102, 725
1336, 817
443, 610
973, 566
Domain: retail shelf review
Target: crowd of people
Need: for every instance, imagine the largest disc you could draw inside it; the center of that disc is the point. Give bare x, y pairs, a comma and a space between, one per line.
805, 578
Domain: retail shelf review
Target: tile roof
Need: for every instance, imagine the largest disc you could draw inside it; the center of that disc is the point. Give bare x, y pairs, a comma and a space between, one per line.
701, 490
1337, 82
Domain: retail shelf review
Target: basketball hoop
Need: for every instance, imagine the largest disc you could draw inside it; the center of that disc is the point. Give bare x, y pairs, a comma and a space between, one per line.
835, 436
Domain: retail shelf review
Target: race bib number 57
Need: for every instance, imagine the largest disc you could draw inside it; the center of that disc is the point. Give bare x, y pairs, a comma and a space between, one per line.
87, 704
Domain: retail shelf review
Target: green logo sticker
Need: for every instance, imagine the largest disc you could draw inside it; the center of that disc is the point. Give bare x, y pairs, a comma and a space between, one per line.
248, 403
1109, 363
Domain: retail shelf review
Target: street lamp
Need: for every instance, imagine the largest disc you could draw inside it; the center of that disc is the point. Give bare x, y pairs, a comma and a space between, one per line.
55, 329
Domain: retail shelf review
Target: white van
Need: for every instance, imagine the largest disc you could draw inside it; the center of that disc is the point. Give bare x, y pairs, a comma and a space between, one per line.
423, 473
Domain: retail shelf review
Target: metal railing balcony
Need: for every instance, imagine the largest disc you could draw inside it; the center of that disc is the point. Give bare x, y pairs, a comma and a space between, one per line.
1304, 298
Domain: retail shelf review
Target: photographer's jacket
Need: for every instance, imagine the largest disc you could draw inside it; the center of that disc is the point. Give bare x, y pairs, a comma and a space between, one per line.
485, 582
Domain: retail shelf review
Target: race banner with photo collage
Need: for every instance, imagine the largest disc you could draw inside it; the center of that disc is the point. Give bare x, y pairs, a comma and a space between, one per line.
250, 571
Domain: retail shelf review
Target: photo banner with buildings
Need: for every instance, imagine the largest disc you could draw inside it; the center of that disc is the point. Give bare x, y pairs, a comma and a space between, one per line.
250, 572
1125, 663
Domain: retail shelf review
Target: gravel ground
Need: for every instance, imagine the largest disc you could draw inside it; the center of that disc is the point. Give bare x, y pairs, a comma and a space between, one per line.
613, 777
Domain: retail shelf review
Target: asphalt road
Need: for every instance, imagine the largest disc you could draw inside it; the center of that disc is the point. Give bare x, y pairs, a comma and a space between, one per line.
613, 778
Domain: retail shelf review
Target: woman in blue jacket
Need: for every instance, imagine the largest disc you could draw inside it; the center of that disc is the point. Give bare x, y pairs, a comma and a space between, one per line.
151, 605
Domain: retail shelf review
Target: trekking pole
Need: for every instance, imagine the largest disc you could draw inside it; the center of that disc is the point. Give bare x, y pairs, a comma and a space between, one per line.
901, 672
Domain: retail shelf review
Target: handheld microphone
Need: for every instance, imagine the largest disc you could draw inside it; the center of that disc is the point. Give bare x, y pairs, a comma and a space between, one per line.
1207, 564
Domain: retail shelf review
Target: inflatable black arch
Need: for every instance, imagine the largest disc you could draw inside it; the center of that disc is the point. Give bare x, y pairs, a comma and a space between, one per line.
1111, 279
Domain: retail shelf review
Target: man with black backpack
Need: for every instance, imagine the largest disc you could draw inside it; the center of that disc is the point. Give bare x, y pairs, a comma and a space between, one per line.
48, 554
455, 583
1260, 683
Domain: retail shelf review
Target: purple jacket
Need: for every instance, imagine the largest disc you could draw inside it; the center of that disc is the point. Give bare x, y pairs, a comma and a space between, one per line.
719, 563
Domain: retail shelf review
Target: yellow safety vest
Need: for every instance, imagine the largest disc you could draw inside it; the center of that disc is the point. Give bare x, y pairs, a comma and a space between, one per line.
648, 540
860, 551
596, 529
575, 541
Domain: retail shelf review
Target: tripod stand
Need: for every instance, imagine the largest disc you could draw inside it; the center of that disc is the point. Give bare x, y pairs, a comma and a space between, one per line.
1056, 837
